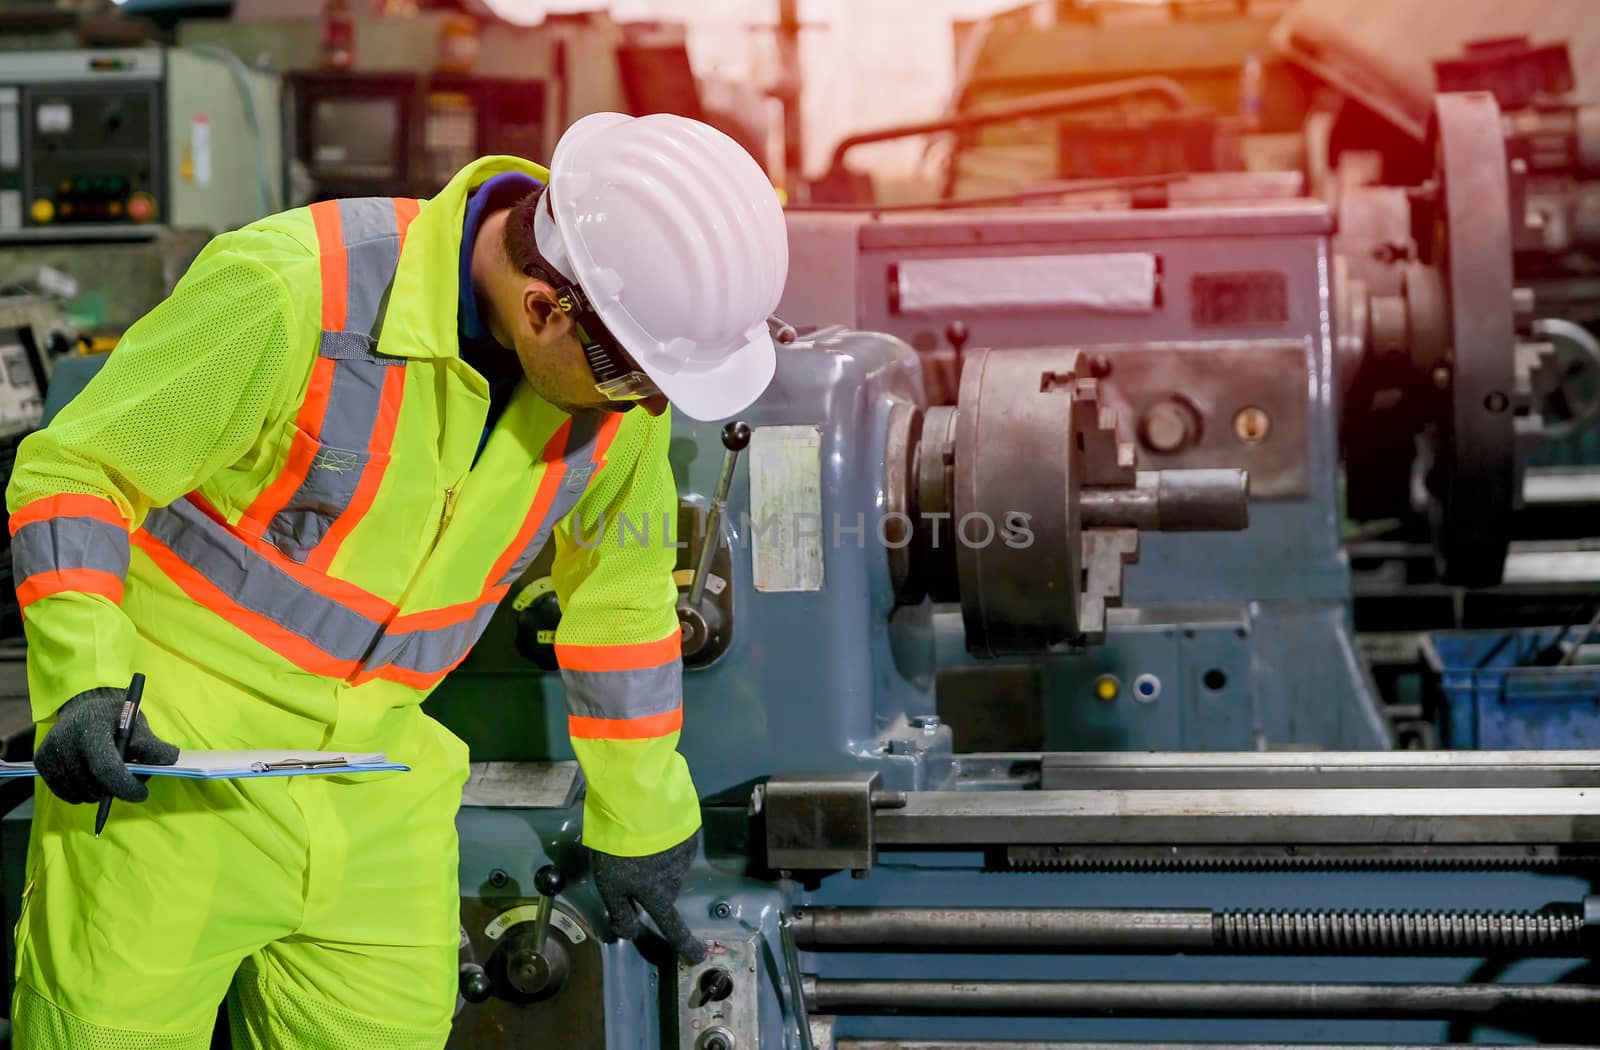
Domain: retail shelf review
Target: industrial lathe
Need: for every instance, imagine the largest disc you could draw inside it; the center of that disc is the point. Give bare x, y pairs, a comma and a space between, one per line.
1021, 691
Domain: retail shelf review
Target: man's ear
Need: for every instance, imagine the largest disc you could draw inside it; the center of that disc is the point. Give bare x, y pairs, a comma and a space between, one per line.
545, 317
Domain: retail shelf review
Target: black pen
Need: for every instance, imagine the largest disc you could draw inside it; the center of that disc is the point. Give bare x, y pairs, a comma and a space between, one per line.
130, 711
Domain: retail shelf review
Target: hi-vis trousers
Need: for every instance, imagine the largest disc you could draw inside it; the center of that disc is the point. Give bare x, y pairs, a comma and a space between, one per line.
330, 904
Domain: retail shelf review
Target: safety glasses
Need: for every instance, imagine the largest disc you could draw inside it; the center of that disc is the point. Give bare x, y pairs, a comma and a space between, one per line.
616, 375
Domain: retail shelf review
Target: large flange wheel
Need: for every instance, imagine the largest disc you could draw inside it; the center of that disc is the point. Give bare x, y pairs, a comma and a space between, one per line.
1472, 478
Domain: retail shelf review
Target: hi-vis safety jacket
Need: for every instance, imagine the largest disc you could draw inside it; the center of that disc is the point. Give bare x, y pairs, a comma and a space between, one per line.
273, 477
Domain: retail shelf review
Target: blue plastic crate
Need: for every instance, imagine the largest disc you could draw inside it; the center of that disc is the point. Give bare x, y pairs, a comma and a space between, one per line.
1491, 699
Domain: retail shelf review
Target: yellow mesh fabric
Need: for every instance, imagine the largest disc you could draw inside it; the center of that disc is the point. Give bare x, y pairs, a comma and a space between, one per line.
38, 1024
184, 395
621, 593
641, 798
262, 1016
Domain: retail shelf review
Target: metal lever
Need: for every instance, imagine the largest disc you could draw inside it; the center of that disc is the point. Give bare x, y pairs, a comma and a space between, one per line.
536, 965
735, 438
549, 881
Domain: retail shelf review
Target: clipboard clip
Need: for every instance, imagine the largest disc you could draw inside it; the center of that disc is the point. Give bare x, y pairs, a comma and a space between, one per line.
299, 763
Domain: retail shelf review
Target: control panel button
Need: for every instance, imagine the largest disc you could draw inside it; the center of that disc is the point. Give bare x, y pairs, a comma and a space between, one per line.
141, 207
43, 211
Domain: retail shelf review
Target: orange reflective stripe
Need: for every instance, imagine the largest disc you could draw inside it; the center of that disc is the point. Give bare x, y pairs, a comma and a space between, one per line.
405, 676
449, 615
68, 505
80, 581
302, 451
405, 210
394, 388
286, 644
335, 268
646, 728
555, 469
619, 657
359, 600
608, 434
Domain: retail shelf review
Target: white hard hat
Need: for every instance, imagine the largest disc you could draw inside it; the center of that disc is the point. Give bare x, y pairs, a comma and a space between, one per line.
678, 241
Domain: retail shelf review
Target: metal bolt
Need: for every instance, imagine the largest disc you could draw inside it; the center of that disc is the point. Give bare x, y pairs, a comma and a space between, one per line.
721, 910
1252, 425
498, 878
1166, 427
1495, 401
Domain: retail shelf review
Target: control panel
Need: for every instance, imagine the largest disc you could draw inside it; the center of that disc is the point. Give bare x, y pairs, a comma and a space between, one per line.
81, 140
115, 144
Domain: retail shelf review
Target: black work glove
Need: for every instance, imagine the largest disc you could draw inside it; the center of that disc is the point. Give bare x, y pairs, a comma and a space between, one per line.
78, 758
653, 883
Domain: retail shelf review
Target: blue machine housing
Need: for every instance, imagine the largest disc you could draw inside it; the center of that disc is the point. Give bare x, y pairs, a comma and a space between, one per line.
836, 679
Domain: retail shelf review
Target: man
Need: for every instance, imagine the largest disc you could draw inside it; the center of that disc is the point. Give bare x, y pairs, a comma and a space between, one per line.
292, 499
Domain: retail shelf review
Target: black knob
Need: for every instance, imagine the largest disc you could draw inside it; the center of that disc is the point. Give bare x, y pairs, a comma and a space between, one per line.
958, 334
549, 881
715, 985
474, 983
735, 436
536, 631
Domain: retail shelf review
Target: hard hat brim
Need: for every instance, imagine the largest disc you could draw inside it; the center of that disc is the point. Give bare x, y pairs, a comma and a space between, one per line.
725, 389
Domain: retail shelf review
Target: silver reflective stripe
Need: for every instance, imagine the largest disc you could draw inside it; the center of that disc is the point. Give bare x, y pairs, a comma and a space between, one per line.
69, 543
353, 405
432, 650
580, 468
438, 649
624, 694
371, 240
256, 584
372, 251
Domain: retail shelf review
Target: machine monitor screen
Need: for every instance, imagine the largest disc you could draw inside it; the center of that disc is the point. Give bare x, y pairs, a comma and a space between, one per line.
357, 138
21, 393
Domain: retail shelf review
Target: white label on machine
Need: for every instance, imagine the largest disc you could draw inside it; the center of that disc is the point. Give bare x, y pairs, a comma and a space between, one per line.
1116, 283
785, 524
200, 148
528, 913
10, 209
53, 118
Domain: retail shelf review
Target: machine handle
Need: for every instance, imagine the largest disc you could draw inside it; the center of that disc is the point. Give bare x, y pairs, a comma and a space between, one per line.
474, 983
735, 438
549, 881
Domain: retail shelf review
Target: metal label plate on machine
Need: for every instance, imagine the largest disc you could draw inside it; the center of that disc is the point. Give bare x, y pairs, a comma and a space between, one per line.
786, 527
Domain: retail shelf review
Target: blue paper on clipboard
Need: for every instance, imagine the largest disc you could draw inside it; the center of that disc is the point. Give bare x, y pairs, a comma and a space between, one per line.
249, 765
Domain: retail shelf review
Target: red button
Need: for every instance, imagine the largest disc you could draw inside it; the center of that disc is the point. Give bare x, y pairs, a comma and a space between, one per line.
141, 207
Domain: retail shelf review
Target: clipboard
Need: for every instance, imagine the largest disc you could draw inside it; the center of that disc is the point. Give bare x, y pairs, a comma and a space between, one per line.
248, 765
